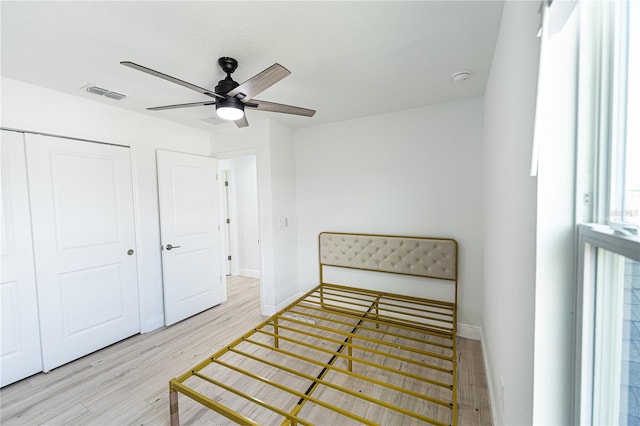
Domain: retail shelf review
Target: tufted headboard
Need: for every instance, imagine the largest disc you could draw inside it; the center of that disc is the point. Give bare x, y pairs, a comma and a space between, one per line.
424, 257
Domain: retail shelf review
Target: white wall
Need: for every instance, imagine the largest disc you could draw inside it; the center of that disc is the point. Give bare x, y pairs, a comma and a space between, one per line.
415, 172
32, 108
509, 195
283, 176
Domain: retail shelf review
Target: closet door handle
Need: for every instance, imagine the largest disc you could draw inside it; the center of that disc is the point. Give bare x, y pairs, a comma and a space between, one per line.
170, 247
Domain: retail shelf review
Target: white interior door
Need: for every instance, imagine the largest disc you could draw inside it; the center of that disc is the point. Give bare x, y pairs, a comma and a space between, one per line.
189, 228
20, 339
84, 240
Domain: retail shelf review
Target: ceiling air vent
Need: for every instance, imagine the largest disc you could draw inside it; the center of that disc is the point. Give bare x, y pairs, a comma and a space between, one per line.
215, 120
92, 88
115, 95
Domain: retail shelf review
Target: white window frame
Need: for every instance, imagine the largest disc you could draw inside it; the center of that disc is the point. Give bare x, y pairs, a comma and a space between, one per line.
592, 237
601, 131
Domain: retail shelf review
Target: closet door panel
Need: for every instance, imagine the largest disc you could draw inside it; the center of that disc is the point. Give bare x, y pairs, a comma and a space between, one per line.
82, 201
20, 337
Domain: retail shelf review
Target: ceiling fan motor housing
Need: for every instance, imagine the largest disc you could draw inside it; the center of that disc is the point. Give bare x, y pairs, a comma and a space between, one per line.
225, 86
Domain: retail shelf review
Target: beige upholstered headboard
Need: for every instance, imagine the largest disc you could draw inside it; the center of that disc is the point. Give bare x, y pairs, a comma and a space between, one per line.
425, 257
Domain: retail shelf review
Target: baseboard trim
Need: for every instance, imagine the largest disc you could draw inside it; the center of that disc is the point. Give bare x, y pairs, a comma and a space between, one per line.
474, 332
271, 309
469, 331
489, 375
251, 273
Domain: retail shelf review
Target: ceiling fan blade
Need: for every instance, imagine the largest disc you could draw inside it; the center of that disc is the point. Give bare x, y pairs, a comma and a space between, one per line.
259, 82
242, 122
171, 79
192, 104
274, 107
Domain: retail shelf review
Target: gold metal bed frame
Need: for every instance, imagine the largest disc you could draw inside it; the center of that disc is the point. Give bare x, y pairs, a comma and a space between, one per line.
344, 354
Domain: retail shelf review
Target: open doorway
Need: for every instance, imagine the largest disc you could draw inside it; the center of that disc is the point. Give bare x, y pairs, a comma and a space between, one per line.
241, 222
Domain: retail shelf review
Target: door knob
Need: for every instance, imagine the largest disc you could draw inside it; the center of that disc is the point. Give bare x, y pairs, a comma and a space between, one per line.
169, 247
130, 252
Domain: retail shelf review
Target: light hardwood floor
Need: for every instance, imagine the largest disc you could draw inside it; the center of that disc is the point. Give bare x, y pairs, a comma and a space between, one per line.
127, 383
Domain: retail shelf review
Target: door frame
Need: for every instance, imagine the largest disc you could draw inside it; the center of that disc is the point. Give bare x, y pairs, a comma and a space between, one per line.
228, 206
228, 155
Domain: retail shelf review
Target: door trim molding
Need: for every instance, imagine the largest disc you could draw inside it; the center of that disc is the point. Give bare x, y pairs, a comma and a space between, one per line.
31, 132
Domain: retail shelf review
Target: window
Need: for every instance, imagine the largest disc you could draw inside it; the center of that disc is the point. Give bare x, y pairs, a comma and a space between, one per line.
609, 390
608, 292
616, 373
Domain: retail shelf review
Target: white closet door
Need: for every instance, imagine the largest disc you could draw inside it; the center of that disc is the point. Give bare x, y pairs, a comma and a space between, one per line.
189, 219
20, 339
84, 239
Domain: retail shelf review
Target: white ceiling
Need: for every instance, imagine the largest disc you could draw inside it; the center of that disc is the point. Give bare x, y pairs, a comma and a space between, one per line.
347, 59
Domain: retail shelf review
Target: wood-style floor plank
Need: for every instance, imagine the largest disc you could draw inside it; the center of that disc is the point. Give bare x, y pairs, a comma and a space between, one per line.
127, 383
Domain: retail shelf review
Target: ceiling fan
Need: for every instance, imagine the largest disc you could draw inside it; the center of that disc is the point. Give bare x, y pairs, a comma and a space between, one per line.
229, 97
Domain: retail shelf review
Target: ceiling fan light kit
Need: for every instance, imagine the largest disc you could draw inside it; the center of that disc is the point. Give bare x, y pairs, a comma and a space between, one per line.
229, 113
230, 97
230, 109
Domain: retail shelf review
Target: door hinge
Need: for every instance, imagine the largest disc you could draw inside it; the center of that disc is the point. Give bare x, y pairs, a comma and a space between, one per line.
228, 220
226, 183
228, 257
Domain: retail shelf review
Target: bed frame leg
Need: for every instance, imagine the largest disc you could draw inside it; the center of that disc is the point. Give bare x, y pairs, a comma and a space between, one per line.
173, 407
